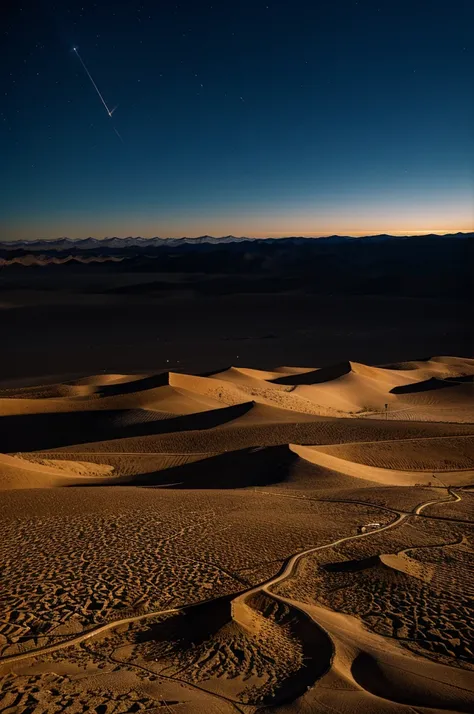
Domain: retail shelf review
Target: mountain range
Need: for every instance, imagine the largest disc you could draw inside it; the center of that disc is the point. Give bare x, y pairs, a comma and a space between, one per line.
131, 242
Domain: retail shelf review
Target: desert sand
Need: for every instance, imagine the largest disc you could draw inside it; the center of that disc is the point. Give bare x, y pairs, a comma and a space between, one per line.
291, 539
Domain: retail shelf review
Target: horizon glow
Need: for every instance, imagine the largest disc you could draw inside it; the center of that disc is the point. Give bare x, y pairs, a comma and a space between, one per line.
238, 125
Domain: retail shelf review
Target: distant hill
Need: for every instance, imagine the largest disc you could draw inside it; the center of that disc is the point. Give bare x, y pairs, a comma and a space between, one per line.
428, 265
62, 244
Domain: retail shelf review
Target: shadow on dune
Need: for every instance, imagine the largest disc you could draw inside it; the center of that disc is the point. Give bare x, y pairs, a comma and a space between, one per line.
392, 683
318, 376
204, 633
467, 379
227, 368
352, 566
428, 385
235, 469
138, 385
41, 432
191, 627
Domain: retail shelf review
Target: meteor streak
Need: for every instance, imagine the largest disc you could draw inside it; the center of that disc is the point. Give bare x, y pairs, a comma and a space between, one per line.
94, 84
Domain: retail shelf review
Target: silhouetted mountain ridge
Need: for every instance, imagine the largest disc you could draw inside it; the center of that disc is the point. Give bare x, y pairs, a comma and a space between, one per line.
130, 241
415, 266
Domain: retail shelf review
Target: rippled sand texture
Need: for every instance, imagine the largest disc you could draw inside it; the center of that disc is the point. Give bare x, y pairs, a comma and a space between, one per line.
298, 538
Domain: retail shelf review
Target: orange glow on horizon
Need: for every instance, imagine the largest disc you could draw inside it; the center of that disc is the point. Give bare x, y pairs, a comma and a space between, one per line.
352, 219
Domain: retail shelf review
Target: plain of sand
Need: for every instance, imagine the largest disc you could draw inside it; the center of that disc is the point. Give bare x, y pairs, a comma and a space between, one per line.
294, 539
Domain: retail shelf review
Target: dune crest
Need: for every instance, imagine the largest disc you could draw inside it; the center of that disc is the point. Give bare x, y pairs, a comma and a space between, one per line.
439, 389
392, 477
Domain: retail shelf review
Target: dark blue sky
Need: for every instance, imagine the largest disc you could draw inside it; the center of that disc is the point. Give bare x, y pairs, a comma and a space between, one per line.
259, 118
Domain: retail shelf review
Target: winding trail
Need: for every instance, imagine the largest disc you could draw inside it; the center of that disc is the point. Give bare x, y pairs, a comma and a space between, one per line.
397, 511
288, 569
456, 496
286, 572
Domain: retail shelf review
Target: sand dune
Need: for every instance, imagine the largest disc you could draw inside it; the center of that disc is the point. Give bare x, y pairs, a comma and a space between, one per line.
157, 470
379, 676
348, 394
342, 390
196, 542
287, 371
234, 387
437, 393
78, 397
388, 476
258, 466
250, 377
442, 366
261, 414
21, 473
431, 454
369, 389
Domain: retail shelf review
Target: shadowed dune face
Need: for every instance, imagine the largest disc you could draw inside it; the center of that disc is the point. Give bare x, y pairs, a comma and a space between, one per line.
272, 538
236, 469
427, 386
318, 376
351, 566
272, 656
26, 432
126, 385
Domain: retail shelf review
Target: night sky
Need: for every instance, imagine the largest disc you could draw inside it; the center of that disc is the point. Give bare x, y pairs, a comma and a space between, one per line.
260, 118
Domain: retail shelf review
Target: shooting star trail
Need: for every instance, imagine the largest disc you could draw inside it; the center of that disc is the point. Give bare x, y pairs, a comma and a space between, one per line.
94, 84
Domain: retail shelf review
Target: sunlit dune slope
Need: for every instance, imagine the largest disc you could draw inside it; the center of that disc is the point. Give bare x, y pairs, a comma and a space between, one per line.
326, 458
425, 390
17, 473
